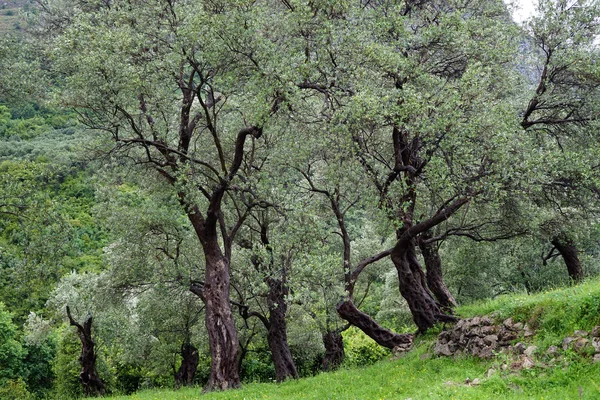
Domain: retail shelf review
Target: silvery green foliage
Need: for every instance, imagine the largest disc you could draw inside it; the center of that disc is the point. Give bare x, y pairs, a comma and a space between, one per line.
36, 329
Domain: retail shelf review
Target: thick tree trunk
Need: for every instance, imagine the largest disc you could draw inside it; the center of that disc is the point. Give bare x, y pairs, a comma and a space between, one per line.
334, 350
222, 335
277, 331
187, 371
435, 280
91, 382
425, 311
386, 338
570, 255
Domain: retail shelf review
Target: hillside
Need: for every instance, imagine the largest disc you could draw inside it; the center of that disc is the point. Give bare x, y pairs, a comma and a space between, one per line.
419, 374
10, 14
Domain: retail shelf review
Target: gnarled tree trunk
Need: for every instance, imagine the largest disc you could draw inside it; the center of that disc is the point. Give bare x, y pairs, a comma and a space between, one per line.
189, 364
425, 311
386, 338
277, 330
435, 280
220, 325
91, 382
570, 255
222, 335
334, 350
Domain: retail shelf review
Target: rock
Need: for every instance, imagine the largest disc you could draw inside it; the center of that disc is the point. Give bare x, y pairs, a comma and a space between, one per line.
491, 372
475, 321
527, 363
580, 344
520, 348
486, 353
518, 326
596, 344
486, 321
442, 350
527, 331
468, 381
491, 340
506, 336
425, 356
444, 336
567, 342
488, 330
403, 348
508, 323
580, 333
596, 358
475, 382
596, 331
530, 351
516, 366
552, 350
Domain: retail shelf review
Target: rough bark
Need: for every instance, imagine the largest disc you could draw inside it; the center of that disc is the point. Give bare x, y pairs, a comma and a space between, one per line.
90, 381
435, 280
189, 364
425, 310
219, 322
384, 337
222, 335
570, 255
334, 350
277, 330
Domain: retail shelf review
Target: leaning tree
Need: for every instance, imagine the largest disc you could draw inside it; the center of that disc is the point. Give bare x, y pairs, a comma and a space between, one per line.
418, 95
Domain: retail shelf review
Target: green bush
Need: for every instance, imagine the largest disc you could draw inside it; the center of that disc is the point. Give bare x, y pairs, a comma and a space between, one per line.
361, 350
66, 366
14, 389
11, 351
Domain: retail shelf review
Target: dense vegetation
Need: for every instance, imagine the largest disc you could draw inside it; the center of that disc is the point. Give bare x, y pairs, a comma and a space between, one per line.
319, 182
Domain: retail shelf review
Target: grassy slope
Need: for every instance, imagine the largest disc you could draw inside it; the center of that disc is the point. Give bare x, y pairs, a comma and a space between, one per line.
417, 375
8, 18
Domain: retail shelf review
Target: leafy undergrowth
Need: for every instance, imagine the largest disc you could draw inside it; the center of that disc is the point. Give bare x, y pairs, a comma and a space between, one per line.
419, 375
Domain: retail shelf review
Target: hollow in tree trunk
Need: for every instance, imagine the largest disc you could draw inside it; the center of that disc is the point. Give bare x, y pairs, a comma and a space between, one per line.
434, 277
570, 255
277, 330
425, 311
334, 350
90, 381
189, 364
384, 337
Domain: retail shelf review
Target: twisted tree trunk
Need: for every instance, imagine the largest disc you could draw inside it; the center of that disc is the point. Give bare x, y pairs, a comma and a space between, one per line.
189, 364
90, 381
570, 255
334, 350
384, 337
219, 322
435, 280
277, 330
425, 310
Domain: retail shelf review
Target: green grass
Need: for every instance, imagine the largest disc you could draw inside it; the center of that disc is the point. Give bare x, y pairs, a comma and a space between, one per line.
418, 375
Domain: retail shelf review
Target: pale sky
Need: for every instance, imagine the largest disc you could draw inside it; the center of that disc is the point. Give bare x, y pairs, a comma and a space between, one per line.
522, 9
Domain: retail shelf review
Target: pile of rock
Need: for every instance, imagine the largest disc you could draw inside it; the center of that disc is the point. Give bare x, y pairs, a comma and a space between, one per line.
480, 337
584, 342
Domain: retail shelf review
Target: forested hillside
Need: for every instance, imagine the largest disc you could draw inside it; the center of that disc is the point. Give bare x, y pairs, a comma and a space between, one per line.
214, 193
